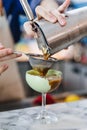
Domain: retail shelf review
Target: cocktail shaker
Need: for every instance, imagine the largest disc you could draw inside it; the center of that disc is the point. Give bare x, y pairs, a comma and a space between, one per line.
53, 37
59, 37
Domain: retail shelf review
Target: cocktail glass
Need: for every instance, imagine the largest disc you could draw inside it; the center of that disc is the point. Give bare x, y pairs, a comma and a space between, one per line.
43, 79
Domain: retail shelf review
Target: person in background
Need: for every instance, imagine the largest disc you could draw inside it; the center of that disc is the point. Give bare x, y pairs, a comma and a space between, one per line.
13, 11
54, 13
51, 11
6, 54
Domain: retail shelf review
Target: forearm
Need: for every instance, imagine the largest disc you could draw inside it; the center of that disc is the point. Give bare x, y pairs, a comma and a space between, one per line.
49, 4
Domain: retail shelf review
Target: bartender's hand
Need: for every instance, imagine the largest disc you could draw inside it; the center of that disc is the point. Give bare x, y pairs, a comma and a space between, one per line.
6, 54
50, 11
72, 52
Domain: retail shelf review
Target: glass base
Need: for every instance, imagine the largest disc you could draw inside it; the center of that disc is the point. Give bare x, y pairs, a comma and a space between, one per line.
44, 118
39, 121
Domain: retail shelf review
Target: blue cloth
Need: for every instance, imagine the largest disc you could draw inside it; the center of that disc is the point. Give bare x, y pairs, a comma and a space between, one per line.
78, 4
14, 8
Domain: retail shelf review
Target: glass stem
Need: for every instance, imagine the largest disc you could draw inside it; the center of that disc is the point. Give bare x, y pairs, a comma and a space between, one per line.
43, 104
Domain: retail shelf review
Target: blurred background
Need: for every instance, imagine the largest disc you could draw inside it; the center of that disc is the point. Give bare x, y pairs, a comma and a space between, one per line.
14, 91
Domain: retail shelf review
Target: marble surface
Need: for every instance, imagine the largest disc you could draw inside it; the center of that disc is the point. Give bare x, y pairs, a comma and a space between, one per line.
71, 116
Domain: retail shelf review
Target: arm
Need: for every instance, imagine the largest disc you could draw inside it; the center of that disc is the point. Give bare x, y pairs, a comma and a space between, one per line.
53, 13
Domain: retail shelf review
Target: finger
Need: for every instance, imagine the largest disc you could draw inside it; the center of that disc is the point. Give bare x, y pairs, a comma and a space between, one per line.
5, 52
11, 56
44, 13
28, 29
3, 68
60, 17
64, 6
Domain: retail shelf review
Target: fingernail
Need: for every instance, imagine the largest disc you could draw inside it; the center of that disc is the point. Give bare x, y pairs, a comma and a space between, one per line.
18, 53
63, 22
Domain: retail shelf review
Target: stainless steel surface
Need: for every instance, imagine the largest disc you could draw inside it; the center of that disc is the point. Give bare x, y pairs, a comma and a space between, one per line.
61, 37
27, 9
41, 40
37, 61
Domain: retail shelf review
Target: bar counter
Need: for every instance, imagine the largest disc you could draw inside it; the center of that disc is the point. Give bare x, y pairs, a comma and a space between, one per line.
71, 116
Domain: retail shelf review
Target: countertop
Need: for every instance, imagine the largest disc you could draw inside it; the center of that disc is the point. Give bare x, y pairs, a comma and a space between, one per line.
71, 116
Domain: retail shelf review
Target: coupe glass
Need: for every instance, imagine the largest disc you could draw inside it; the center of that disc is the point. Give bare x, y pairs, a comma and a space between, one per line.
43, 79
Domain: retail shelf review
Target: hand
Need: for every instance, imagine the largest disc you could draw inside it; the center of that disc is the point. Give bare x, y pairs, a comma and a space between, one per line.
6, 54
51, 12
73, 52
